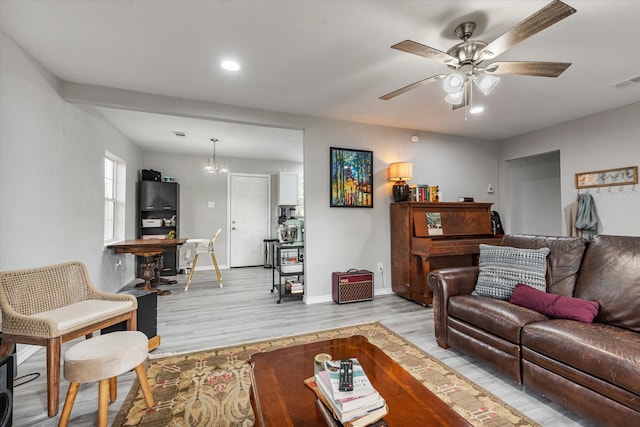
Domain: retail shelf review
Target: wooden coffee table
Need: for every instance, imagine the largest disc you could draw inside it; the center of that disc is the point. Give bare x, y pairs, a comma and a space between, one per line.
280, 398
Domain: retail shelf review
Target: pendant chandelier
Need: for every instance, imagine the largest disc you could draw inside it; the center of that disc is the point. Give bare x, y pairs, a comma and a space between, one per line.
212, 167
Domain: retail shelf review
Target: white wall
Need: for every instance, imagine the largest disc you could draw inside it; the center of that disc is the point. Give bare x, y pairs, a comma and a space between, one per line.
602, 141
52, 174
534, 198
343, 238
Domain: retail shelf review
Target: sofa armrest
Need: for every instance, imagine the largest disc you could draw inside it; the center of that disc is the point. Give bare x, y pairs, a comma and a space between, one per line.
445, 283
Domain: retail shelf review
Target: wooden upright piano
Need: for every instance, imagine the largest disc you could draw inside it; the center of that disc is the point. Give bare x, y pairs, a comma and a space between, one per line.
429, 236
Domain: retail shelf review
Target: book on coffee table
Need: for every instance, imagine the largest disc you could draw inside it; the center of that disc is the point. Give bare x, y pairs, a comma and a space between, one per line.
361, 407
363, 392
327, 415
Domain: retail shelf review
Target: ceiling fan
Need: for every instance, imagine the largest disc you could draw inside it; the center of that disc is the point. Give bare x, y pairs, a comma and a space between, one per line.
465, 58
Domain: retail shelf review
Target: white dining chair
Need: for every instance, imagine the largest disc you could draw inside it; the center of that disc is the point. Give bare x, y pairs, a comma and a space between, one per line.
204, 246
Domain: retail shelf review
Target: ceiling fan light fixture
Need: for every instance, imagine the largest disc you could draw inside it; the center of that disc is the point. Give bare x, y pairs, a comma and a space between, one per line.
453, 82
466, 57
454, 98
477, 109
486, 83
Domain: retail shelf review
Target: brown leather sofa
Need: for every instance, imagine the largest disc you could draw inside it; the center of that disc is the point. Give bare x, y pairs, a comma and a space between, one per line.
591, 368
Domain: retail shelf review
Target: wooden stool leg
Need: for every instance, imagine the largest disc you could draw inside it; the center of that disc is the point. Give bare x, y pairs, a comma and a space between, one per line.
113, 389
68, 404
144, 385
103, 402
193, 268
215, 264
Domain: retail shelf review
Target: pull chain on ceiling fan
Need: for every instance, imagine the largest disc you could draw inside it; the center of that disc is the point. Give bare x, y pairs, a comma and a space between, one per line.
465, 57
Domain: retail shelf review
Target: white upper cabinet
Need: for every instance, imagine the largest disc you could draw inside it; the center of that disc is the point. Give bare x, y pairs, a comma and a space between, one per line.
287, 188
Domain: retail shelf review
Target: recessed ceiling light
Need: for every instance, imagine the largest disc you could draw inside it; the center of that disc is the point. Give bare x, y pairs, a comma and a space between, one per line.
476, 110
230, 65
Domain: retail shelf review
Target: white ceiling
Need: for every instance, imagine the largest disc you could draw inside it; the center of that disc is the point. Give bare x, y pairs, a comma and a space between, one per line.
326, 58
156, 132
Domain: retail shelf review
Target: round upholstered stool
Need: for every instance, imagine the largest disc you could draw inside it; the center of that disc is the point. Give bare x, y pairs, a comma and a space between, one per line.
102, 359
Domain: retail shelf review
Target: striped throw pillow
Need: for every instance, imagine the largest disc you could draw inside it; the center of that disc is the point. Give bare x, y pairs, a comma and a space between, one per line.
503, 267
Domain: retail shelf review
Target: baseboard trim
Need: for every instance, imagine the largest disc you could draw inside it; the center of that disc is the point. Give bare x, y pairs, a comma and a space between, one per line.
329, 298
209, 267
23, 352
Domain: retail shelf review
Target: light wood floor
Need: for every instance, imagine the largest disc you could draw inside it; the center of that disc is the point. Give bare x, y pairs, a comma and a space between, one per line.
245, 310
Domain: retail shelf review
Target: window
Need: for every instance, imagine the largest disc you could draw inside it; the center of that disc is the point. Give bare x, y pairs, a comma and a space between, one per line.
114, 198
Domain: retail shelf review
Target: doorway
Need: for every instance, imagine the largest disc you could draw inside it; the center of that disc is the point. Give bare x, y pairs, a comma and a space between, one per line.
249, 218
534, 195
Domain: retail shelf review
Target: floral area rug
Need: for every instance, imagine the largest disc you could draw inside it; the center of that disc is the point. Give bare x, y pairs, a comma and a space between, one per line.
211, 387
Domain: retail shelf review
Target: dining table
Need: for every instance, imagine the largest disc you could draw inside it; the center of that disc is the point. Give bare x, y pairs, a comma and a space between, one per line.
151, 250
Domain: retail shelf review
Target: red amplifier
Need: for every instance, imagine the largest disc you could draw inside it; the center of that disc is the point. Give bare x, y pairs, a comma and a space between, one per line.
352, 286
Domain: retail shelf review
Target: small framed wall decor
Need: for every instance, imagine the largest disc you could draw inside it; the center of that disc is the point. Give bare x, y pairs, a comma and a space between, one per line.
351, 178
607, 177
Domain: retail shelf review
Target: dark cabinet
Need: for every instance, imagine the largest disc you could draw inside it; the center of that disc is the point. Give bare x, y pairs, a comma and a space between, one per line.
159, 217
158, 196
147, 316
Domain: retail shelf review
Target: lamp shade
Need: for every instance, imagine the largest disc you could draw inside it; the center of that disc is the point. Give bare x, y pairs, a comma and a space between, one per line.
454, 98
453, 82
401, 171
486, 83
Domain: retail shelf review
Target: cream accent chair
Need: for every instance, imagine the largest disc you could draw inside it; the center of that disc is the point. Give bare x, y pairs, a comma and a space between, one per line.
48, 306
204, 246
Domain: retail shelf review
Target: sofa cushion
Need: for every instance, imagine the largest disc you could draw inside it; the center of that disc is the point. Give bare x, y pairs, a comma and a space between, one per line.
603, 351
610, 274
502, 267
493, 315
553, 305
563, 262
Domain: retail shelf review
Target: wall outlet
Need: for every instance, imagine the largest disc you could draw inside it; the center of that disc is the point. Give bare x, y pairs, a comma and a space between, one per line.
118, 264
379, 266
211, 204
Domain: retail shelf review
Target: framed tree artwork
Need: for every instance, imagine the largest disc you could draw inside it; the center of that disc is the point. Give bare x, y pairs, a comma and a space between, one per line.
351, 178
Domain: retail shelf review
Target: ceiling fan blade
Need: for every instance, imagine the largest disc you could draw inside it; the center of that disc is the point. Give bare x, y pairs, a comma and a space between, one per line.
412, 86
466, 95
426, 51
543, 18
528, 68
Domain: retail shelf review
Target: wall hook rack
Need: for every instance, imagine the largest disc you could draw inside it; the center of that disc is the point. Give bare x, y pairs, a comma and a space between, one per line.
607, 178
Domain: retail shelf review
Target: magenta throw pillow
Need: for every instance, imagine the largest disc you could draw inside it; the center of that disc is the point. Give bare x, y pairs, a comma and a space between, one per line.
553, 305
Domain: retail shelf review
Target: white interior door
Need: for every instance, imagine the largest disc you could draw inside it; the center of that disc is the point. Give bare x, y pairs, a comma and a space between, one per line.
248, 218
